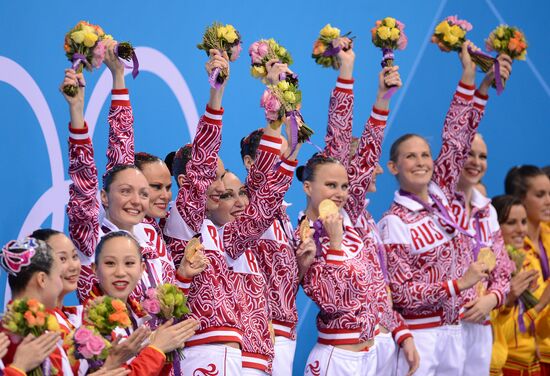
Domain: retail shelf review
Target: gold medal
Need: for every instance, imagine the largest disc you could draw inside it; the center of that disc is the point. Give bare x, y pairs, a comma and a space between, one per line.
191, 248
487, 256
327, 207
305, 230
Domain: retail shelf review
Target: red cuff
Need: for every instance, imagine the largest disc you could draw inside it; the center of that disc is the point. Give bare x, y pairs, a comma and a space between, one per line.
287, 167
120, 97
378, 116
79, 135
344, 85
480, 100
400, 334
465, 91
214, 116
270, 144
335, 257
451, 286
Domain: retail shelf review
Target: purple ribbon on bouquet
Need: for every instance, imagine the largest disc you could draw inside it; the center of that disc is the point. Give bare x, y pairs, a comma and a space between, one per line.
213, 79
387, 54
318, 233
498, 78
135, 63
47, 366
544, 261
95, 364
293, 129
521, 323
78, 59
332, 50
282, 76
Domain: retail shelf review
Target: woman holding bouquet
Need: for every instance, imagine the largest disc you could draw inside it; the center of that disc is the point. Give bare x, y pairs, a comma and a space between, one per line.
515, 347
199, 171
532, 186
119, 266
345, 281
427, 265
125, 196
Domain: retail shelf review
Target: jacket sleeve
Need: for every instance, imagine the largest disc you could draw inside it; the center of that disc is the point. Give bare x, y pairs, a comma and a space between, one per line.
459, 129
83, 206
364, 163
200, 170
149, 362
340, 121
120, 149
244, 232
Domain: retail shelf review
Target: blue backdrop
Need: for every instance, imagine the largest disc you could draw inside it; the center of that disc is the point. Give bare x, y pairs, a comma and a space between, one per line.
172, 89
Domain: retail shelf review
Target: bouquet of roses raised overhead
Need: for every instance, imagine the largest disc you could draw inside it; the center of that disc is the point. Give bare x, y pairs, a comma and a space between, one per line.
106, 314
389, 35
222, 38
327, 46
85, 47
163, 303
263, 51
28, 316
86, 343
507, 40
450, 34
518, 257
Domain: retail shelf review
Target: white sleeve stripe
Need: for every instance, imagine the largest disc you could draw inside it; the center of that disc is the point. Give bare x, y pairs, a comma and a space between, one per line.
344, 86
288, 167
378, 116
271, 144
451, 288
465, 91
480, 101
120, 97
212, 116
79, 136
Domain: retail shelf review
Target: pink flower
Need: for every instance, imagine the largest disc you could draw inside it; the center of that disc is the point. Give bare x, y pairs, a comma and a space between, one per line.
270, 102
151, 293
402, 42
151, 306
99, 54
83, 350
257, 51
82, 335
95, 345
462, 23
400, 25
236, 51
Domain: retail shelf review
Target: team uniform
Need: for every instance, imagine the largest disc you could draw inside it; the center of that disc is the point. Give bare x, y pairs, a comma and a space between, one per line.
212, 295
426, 254
86, 225
347, 284
482, 223
514, 347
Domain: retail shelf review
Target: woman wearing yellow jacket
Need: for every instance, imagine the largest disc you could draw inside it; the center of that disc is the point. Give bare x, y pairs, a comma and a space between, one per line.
514, 326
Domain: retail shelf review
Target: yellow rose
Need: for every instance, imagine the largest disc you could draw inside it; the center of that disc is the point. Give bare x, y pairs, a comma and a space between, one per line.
330, 32
289, 97
90, 39
522, 55
442, 28
230, 35
52, 324
281, 51
394, 34
108, 36
457, 31
500, 31
383, 32
389, 22
450, 38
78, 36
283, 85
87, 29
220, 31
257, 71
496, 44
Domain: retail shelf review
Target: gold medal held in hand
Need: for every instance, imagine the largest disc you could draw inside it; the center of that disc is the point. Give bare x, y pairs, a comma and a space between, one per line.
487, 256
305, 230
191, 248
326, 208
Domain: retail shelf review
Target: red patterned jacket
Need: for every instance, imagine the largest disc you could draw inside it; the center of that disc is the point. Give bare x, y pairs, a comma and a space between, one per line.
86, 225
484, 221
212, 296
347, 284
425, 255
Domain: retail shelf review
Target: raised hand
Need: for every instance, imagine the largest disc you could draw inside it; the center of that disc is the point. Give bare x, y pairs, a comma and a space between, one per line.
305, 255
505, 69
115, 65
333, 224
275, 69
346, 57
475, 273
191, 266
388, 78
468, 66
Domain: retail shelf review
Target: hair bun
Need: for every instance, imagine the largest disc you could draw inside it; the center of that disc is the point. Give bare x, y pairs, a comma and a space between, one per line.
300, 173
169, 160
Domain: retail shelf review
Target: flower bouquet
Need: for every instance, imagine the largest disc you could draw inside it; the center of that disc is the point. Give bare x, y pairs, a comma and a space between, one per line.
265, 50
222, 38
388, 34
106, 314
326, 47
87, 343
450, 34
518, 257
507, 40
28, 316
84, 47
163, 303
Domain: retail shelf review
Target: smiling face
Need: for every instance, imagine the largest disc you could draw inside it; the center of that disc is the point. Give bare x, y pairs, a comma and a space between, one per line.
537, 199
127, 200
413, 165
160, 188
476, 164
119, 267
330, 181
67, 255
514, 228
216, 189
232, 202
